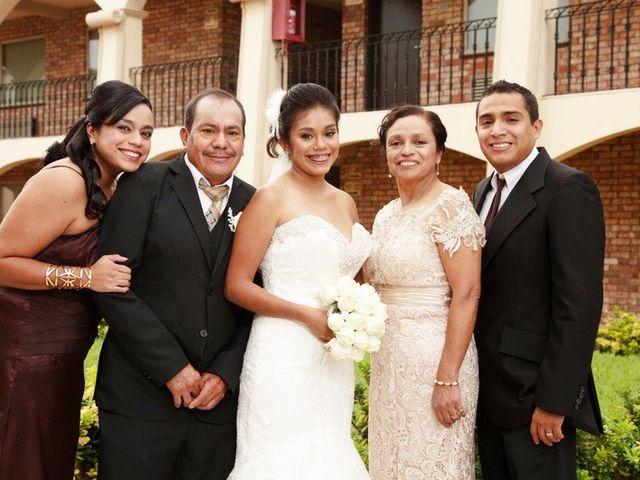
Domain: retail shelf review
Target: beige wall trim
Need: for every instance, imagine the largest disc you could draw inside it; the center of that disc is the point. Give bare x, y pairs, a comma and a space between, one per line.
572, 122
6, 6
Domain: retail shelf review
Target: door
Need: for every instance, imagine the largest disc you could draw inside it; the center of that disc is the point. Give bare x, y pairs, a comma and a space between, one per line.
393, 51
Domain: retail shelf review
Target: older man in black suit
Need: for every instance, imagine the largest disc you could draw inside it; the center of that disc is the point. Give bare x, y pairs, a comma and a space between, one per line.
541, 300
169, 370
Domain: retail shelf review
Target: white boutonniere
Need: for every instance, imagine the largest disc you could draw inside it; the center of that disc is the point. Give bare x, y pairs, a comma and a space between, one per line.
232, 219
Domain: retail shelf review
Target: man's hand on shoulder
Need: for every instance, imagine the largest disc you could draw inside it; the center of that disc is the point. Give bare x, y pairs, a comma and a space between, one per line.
212, 390
185, 386
546, 427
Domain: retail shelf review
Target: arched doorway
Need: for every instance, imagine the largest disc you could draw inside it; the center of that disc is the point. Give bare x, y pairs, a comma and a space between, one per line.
13, 179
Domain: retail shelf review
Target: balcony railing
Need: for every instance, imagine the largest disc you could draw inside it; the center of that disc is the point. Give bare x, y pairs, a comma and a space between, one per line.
43, 107
432, 66
596, 46
170, 86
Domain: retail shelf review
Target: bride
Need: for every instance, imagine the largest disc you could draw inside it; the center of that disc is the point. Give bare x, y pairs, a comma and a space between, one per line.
294, 414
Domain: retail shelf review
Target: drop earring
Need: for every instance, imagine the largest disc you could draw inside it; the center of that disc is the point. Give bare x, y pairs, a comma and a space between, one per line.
437, 168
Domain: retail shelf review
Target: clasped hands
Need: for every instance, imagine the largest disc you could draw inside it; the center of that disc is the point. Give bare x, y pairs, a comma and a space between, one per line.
191, 389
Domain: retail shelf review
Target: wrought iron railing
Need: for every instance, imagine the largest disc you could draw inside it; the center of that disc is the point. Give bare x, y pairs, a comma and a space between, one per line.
435, 65
43, 107
596, 46
169, 86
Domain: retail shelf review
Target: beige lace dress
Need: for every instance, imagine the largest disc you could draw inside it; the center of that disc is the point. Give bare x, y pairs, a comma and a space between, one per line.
406, 441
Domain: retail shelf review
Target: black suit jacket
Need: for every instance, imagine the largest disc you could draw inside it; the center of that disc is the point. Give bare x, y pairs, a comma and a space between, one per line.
175, 312
541, 302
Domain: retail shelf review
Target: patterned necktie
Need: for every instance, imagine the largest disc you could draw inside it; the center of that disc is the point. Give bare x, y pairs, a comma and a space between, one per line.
216, 194
495, 204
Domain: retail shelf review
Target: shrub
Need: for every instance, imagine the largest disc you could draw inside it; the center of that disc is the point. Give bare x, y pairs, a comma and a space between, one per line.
360, 418
616, 454
87, 453
619, 333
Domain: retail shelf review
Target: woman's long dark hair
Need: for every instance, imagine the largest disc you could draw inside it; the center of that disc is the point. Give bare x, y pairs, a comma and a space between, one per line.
110, 102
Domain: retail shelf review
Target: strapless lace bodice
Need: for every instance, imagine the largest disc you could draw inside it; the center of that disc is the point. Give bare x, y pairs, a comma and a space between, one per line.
294, 412
306, 253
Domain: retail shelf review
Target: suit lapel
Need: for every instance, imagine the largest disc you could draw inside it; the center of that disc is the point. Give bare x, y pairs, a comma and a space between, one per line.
481, 192
185, 188
517, 207
237, 201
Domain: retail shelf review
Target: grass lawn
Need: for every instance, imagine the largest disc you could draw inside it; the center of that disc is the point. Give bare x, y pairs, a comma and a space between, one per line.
615, 374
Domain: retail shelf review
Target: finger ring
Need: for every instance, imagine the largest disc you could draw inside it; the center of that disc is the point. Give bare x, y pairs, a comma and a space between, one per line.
461, 411
549, 434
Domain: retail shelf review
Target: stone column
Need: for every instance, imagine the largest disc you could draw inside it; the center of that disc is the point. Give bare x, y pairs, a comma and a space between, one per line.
259, 73
524, 44
120, 26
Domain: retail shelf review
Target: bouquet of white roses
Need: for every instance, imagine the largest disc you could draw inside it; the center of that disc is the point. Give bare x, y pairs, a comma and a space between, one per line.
356, 317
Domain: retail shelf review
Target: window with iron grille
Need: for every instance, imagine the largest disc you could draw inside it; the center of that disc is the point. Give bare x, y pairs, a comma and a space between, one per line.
22, 72
479, 40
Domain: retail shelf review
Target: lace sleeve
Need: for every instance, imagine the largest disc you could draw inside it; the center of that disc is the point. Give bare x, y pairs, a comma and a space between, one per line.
455, 223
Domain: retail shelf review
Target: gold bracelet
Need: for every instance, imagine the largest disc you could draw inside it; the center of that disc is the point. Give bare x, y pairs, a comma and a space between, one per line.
442, 383
67, 278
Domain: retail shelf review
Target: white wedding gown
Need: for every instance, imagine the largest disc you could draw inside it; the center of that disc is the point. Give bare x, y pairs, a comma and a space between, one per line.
294, 414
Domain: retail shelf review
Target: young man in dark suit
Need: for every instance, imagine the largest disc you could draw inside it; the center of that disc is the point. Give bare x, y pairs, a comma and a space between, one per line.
169, 370
541, 299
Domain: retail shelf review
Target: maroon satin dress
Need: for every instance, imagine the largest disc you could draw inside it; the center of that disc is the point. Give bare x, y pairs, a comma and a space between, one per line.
44, 337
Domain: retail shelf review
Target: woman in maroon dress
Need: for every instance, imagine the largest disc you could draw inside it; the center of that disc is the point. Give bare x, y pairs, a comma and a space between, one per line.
47, 269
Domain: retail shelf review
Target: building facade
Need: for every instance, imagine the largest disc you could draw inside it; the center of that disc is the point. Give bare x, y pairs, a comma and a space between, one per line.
580, 57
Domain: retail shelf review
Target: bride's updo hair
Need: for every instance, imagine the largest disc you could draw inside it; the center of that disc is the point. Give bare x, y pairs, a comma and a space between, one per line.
298, 99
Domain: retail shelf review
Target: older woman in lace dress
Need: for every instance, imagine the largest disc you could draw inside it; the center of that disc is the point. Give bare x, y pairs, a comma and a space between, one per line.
426, 266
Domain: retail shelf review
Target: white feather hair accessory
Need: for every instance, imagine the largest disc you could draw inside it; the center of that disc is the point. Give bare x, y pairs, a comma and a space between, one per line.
272, 112
282, 164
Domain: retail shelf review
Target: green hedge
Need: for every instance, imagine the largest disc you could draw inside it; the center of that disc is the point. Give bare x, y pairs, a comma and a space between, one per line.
616, 454
619, 333
360, 418
87, 454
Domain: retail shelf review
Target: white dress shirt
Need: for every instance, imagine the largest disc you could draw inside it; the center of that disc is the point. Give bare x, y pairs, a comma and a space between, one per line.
512, 177
205, 200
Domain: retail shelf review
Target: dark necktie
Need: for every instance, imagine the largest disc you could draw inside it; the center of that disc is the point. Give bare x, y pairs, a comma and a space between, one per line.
495, 204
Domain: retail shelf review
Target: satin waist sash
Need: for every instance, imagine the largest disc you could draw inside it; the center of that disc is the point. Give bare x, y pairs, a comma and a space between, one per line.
427, 297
